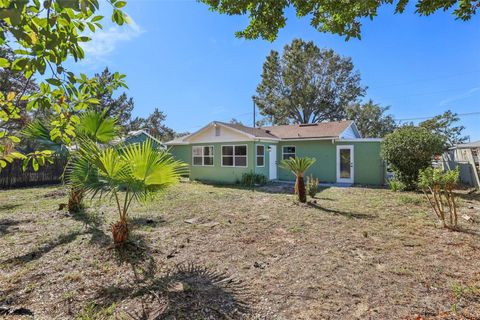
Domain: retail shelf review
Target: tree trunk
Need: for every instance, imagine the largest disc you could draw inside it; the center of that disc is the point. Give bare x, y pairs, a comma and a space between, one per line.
75, 199
120, 232
302, 194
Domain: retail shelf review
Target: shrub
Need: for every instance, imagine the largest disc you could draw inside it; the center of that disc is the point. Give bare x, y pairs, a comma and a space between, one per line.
408, 150
251, 178
396, 185
312, 186
437, 187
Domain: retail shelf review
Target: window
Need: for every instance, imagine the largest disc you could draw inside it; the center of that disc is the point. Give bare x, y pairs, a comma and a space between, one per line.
260, 156
202, 155
234, 156
288, 152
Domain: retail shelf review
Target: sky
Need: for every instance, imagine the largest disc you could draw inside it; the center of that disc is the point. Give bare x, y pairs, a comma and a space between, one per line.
185, 60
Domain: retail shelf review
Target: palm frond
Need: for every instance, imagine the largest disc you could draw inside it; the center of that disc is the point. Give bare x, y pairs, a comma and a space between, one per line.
297, 166
40, 134
97, 126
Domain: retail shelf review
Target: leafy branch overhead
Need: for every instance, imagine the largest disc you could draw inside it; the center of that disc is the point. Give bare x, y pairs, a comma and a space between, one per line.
267, 17
43, 35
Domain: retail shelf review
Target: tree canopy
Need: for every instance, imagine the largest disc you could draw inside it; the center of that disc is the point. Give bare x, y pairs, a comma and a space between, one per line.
119, 107
444, 126
307, 85
155, 125
371, 120
267, 17
44, 34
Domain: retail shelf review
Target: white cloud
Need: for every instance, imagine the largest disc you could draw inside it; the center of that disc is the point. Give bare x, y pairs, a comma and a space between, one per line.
106, 40
464, 95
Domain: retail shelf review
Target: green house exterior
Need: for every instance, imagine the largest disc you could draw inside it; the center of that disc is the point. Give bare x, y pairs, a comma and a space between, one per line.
361, 162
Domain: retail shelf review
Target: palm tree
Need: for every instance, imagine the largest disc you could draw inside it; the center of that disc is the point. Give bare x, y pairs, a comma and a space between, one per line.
93, 125
132, 172
298, 166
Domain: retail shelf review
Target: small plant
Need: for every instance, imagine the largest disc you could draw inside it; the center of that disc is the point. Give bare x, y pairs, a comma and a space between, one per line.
396, 185
135, 172
437, 187
298, 166
312, 186
251, 178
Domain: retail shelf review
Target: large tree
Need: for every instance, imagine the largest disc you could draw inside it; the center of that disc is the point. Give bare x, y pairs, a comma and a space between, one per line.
307, 85
340, 17
371, 120
445, 126
45, 34
118, 107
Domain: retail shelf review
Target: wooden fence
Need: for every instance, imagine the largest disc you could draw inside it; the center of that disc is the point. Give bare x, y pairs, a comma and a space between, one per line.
13, 176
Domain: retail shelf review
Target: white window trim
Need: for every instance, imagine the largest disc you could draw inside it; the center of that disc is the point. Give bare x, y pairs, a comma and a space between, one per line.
289, 146
233, 155
257, 155
203, 156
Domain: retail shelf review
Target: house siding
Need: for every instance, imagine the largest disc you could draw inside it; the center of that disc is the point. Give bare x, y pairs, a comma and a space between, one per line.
369, 168
217, 173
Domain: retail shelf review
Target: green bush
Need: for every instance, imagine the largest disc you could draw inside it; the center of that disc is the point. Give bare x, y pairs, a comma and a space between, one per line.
249, 179
408, 150
312, 186
396, 185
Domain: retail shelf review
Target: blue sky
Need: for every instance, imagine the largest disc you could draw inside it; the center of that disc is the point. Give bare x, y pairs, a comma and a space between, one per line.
182, 58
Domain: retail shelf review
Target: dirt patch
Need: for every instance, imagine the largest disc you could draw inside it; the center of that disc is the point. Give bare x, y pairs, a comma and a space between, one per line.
207, 252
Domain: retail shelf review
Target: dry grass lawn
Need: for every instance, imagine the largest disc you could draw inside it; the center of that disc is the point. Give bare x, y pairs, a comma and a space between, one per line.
213, 252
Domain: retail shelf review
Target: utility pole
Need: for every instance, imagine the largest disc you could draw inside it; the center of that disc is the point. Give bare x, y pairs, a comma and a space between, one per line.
254, 111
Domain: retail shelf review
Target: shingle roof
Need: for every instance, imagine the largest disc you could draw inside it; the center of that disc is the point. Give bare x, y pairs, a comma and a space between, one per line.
295, 131
315, 130
257, 132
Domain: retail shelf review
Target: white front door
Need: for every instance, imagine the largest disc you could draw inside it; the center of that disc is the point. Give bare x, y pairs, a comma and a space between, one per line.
273, 162
345, 164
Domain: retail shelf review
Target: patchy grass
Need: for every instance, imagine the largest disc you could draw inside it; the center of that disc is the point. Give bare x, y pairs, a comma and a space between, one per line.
216, 252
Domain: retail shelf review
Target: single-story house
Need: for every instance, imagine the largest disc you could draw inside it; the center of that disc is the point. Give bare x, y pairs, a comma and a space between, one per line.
223, 152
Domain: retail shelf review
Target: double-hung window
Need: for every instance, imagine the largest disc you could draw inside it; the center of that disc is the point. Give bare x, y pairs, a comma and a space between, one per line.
202, 155
234, 156
288, 152
260, 156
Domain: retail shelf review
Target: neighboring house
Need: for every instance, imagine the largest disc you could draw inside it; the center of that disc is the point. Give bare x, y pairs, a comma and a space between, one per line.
140, 136
222, 152
466, 157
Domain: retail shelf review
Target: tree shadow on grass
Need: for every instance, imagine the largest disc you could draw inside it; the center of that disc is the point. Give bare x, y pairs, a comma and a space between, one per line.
187, 291
349, 215
42, 250
92, 227
6, 224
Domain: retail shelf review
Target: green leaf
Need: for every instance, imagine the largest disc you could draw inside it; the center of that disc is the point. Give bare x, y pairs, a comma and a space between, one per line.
120, 4
35, 164
54, 82
4, 63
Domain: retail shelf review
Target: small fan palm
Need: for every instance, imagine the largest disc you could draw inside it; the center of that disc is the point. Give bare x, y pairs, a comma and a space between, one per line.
298, 166
140, 170
93, 126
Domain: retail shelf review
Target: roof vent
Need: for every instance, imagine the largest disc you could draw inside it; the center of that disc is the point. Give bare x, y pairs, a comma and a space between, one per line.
308, 124
267, 131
